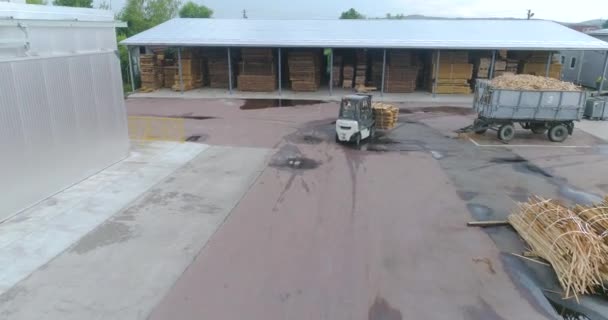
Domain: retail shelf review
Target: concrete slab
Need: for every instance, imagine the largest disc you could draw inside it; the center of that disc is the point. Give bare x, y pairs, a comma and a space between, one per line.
121, 269
35, 236
596, 128
322, 94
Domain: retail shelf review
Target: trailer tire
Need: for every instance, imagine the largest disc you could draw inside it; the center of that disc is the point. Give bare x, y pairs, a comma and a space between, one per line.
558, 133
538, 128
506, 132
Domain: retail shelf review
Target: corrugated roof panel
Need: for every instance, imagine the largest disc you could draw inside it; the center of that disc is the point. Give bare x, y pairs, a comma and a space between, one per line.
423, 33
40, 12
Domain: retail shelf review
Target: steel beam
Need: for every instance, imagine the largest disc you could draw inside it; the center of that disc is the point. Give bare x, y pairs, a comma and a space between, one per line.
548, 64
383, 72
229, 72
580, 66
603, 76
331, 72
179, 66
492, 65
131, 69
436, 75
279, 70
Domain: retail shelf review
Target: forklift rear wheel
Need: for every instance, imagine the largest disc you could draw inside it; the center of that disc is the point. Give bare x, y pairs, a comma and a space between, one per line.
337, 139
506, 132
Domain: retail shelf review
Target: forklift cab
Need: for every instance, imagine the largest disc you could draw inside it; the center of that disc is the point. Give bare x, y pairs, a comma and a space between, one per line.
356, 119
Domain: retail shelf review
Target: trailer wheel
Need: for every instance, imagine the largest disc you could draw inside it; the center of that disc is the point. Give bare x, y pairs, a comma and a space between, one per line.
506, 132
558, 133
538, 128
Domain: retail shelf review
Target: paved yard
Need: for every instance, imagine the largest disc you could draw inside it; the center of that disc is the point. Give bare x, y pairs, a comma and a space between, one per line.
273, 220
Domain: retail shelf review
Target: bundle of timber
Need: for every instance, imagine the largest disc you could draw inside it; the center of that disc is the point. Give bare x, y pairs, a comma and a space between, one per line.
257, 70
305, 69
348, 74
170, 74
361, 70
401, 72
151, 72
192, 70
217, 67
454, 74
572, 240
385, 115
536, 64
337, 71
530, 82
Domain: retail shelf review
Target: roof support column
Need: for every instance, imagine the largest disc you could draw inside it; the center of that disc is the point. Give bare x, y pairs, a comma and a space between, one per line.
131, 69
179, 66
580, 66
548, 64
436, 73
229, 72
279, 70
491, 75
603, 76
383, 72
331, 72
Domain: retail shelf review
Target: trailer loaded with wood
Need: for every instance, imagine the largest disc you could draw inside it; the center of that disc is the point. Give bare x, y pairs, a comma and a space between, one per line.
539, 104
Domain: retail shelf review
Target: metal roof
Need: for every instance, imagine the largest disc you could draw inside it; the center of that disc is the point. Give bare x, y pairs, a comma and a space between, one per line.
600, 32
379, 33
17, 11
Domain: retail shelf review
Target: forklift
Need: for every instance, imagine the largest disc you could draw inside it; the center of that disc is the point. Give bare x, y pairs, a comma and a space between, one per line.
356, 119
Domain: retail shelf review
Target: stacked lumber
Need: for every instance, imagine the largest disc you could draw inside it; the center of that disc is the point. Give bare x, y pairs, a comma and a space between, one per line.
151, 72
385, 115
361, 70
455, 71
530, 82
348, 75
217, 67
170, 74
401, 72
192, 70
336, 71
536, 64
304, 69
377, 70
257, 70
572, 240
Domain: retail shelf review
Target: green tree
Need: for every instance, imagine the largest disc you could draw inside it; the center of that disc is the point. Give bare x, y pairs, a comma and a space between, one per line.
43, 2
193, 10
399, 16
351, 14
104, 5
74, 3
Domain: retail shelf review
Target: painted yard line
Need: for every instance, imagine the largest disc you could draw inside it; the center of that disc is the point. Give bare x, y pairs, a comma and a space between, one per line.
524, 145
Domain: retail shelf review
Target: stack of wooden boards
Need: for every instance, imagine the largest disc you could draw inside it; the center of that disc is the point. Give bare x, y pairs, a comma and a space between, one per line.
217, 67
336, 71
502, 65
401, 72
361, 70
304, 69
348, 75
385, 115
192, 70
151, 72
454, 74
572, 239
536, 64
257, 70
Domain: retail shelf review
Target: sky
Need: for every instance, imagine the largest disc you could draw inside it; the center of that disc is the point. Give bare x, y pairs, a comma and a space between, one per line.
565, 11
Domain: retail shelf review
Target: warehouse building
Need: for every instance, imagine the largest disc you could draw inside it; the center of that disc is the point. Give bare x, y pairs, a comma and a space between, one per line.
436, 56
581, 67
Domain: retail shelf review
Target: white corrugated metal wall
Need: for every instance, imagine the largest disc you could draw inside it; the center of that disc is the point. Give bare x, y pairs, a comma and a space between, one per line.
62, 115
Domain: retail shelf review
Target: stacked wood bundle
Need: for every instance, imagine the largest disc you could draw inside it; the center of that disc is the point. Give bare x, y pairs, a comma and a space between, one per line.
257, 70
348, 74
536, 64
217, 67
192, 70
401, 72
304, 69
571, 240
361, 69
455, 71
336, 71
170, 74
151, 72
385, 115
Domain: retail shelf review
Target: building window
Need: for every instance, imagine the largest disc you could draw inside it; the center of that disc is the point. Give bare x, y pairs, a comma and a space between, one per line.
572, 62
563, 60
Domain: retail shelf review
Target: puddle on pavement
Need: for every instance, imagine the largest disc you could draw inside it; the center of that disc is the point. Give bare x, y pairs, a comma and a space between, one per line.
197, 138
382, 310
567, 314
578, 196
290, 157
466, 195
193, 138
256, 104
480, 212
311, 139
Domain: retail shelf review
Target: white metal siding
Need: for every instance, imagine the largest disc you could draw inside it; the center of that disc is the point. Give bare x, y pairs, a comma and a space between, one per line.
62, 119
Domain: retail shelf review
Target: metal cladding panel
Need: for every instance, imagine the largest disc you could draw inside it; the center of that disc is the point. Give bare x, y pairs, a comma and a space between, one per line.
62, 119
379, 33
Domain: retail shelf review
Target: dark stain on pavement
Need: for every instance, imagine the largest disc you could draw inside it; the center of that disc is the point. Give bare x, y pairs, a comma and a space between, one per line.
578, 196
466, 195
289, 157
518, 193
311, 139
515, 159
382, 310
529, 168
108, 233
481, 311
256, 104
479, 211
